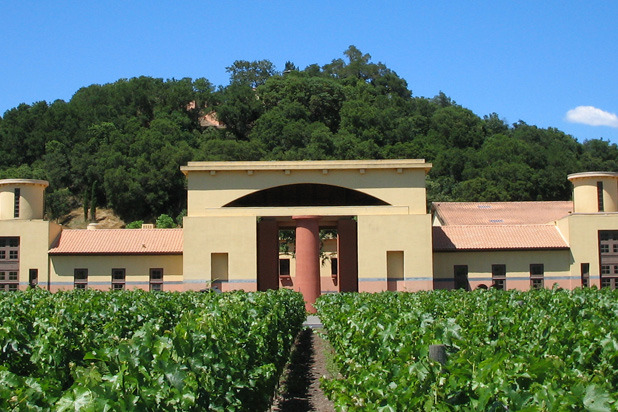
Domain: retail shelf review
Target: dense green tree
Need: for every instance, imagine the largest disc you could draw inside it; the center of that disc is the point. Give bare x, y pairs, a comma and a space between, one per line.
165, 222
252, 74
136, 224
238, 109
321, 97
58, 203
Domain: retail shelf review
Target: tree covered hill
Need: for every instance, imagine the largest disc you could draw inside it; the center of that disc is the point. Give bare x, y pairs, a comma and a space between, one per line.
124, 142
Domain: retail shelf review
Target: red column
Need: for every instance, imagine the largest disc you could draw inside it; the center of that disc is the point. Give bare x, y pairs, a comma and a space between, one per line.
308, 259
268, 255
347, 255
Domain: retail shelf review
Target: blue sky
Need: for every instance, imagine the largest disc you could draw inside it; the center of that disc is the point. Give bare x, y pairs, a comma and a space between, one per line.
550, 63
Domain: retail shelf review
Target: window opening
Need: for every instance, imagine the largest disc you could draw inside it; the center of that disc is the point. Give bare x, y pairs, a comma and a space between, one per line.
219, 266
537, 273
333, 266
33, 277
461, 277
498, 276
9, 281
80, 278
284, 267
16, 203
600, 196
156, 279
585, 274
118, 279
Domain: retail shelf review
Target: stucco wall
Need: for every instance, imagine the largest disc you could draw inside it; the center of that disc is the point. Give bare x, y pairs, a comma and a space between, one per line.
557, 265
410, 234
235, 235
100, 269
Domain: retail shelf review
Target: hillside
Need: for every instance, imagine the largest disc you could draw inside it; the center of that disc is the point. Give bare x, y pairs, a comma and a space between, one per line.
124, 142
106, 219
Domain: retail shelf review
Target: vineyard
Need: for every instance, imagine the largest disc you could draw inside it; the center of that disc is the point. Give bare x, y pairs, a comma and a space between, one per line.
134, 350
527, 351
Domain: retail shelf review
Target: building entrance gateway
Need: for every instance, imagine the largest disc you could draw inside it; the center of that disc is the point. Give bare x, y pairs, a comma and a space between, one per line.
369, 208
319, 264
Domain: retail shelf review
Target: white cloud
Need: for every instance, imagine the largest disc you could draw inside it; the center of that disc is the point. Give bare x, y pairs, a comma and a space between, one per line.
592, 116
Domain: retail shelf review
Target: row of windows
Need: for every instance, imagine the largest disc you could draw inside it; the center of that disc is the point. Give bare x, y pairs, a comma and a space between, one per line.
80, 278
537, 272
498, 276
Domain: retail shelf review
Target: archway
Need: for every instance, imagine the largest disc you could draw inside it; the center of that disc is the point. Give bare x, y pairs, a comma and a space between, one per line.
306, 194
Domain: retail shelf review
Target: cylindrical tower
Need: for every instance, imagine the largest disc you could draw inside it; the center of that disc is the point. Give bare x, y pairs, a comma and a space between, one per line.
595, 192
22, 199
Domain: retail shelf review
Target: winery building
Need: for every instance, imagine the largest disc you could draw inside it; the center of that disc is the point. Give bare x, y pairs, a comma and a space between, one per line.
320, 227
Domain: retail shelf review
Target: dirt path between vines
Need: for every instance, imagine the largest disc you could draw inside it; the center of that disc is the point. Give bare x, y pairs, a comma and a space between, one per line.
301, 382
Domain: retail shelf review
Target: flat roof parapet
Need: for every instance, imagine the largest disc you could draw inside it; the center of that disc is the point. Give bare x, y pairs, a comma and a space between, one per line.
590, 175
307, 165
35, 182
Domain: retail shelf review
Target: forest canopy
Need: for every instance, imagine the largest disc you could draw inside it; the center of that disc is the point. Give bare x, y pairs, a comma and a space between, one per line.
121, 144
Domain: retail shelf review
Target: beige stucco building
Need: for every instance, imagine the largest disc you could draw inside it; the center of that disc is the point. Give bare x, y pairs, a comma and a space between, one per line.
320, 227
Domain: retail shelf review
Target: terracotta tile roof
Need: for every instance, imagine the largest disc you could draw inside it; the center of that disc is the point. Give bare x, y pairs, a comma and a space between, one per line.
490, 237
118, 242
501, 213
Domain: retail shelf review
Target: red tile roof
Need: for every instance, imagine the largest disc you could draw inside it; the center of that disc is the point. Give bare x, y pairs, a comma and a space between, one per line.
501, 213
118, 242
489, 237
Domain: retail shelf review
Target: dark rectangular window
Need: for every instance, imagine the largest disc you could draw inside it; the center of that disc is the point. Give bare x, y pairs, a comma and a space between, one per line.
156, 279
118, 279
284, 267
585, 273
461, 277
33, 277
16, 202
80, 278
334, 269
600, 196
498, 276
537, 273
